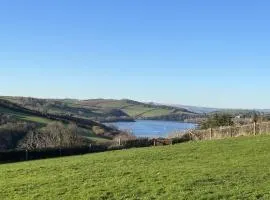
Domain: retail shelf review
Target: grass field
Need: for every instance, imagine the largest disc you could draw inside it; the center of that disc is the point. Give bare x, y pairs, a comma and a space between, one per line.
136, 110
92, 136
223, 169
25, 117
157, 112
132, 109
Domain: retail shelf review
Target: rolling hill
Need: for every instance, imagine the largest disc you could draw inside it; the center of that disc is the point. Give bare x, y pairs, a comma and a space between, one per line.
104, 110
111, 110
206, 110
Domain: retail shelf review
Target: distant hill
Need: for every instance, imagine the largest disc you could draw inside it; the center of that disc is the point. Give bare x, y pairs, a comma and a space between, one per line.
104, 110
111, 110
198, 109
135, 109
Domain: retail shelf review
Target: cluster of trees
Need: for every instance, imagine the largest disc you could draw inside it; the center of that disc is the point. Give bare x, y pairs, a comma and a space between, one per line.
12, 131
4, 119
217, 120
225, 119
41, 105
54, 135
173, 117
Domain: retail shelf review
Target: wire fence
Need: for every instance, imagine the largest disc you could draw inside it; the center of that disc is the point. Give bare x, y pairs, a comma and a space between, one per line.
226, 132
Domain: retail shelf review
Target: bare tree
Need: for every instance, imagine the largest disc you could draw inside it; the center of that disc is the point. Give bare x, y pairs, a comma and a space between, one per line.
53, 135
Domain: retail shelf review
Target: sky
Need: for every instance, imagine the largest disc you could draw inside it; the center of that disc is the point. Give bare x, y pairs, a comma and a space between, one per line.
210, 53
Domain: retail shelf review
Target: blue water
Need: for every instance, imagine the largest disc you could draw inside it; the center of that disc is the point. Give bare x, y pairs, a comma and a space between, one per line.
152, 128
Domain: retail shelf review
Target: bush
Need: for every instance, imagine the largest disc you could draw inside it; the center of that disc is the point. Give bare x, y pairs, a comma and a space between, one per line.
97, 130
184, 138
140, 142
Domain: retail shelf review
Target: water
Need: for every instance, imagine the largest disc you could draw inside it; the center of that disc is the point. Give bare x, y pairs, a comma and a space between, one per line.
152, 128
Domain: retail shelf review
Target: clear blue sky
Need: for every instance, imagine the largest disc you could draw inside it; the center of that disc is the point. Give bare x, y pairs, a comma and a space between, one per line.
209, 53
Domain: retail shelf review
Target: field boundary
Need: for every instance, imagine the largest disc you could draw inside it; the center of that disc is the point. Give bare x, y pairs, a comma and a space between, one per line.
226, 132
18, 155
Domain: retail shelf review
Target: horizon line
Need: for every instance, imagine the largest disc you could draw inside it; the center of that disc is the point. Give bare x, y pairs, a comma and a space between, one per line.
141, 101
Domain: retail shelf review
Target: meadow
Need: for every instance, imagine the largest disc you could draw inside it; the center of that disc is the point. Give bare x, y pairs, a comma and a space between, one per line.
236, 168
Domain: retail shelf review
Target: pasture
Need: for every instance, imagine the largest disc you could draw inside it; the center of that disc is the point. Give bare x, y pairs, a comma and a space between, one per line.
236, 168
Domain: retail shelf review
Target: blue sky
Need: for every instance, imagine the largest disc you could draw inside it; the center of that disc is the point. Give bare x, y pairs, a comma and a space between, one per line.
193, 52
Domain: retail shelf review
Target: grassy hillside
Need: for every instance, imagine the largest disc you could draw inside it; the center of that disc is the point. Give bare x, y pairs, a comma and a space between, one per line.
69, 107
223, 169
137, 109
103, 109
44, 121
24, 115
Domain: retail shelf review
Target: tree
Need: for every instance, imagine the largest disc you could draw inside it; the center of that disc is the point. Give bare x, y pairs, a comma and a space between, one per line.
217, 120
255, 117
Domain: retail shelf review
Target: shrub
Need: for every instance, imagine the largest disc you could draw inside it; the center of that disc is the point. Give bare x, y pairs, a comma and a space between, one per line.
184, 138
98, 130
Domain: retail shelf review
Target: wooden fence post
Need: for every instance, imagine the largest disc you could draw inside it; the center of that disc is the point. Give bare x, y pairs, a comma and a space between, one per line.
26, 154
119, 141
190, 136
254, 128
90, 148
211, 132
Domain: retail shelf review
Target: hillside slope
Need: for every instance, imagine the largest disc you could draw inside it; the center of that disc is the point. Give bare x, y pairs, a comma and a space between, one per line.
69, 107
87, 126
134, 108
223, 169
104, 110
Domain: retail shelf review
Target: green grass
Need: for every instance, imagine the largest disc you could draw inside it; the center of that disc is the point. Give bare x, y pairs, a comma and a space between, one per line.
92, 136
136, 110
157, 112
131, 108
25, 117
222, 169
112, 104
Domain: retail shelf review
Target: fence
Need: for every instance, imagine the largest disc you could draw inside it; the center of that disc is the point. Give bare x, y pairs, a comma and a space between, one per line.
226, 132
215, 133
24, 155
